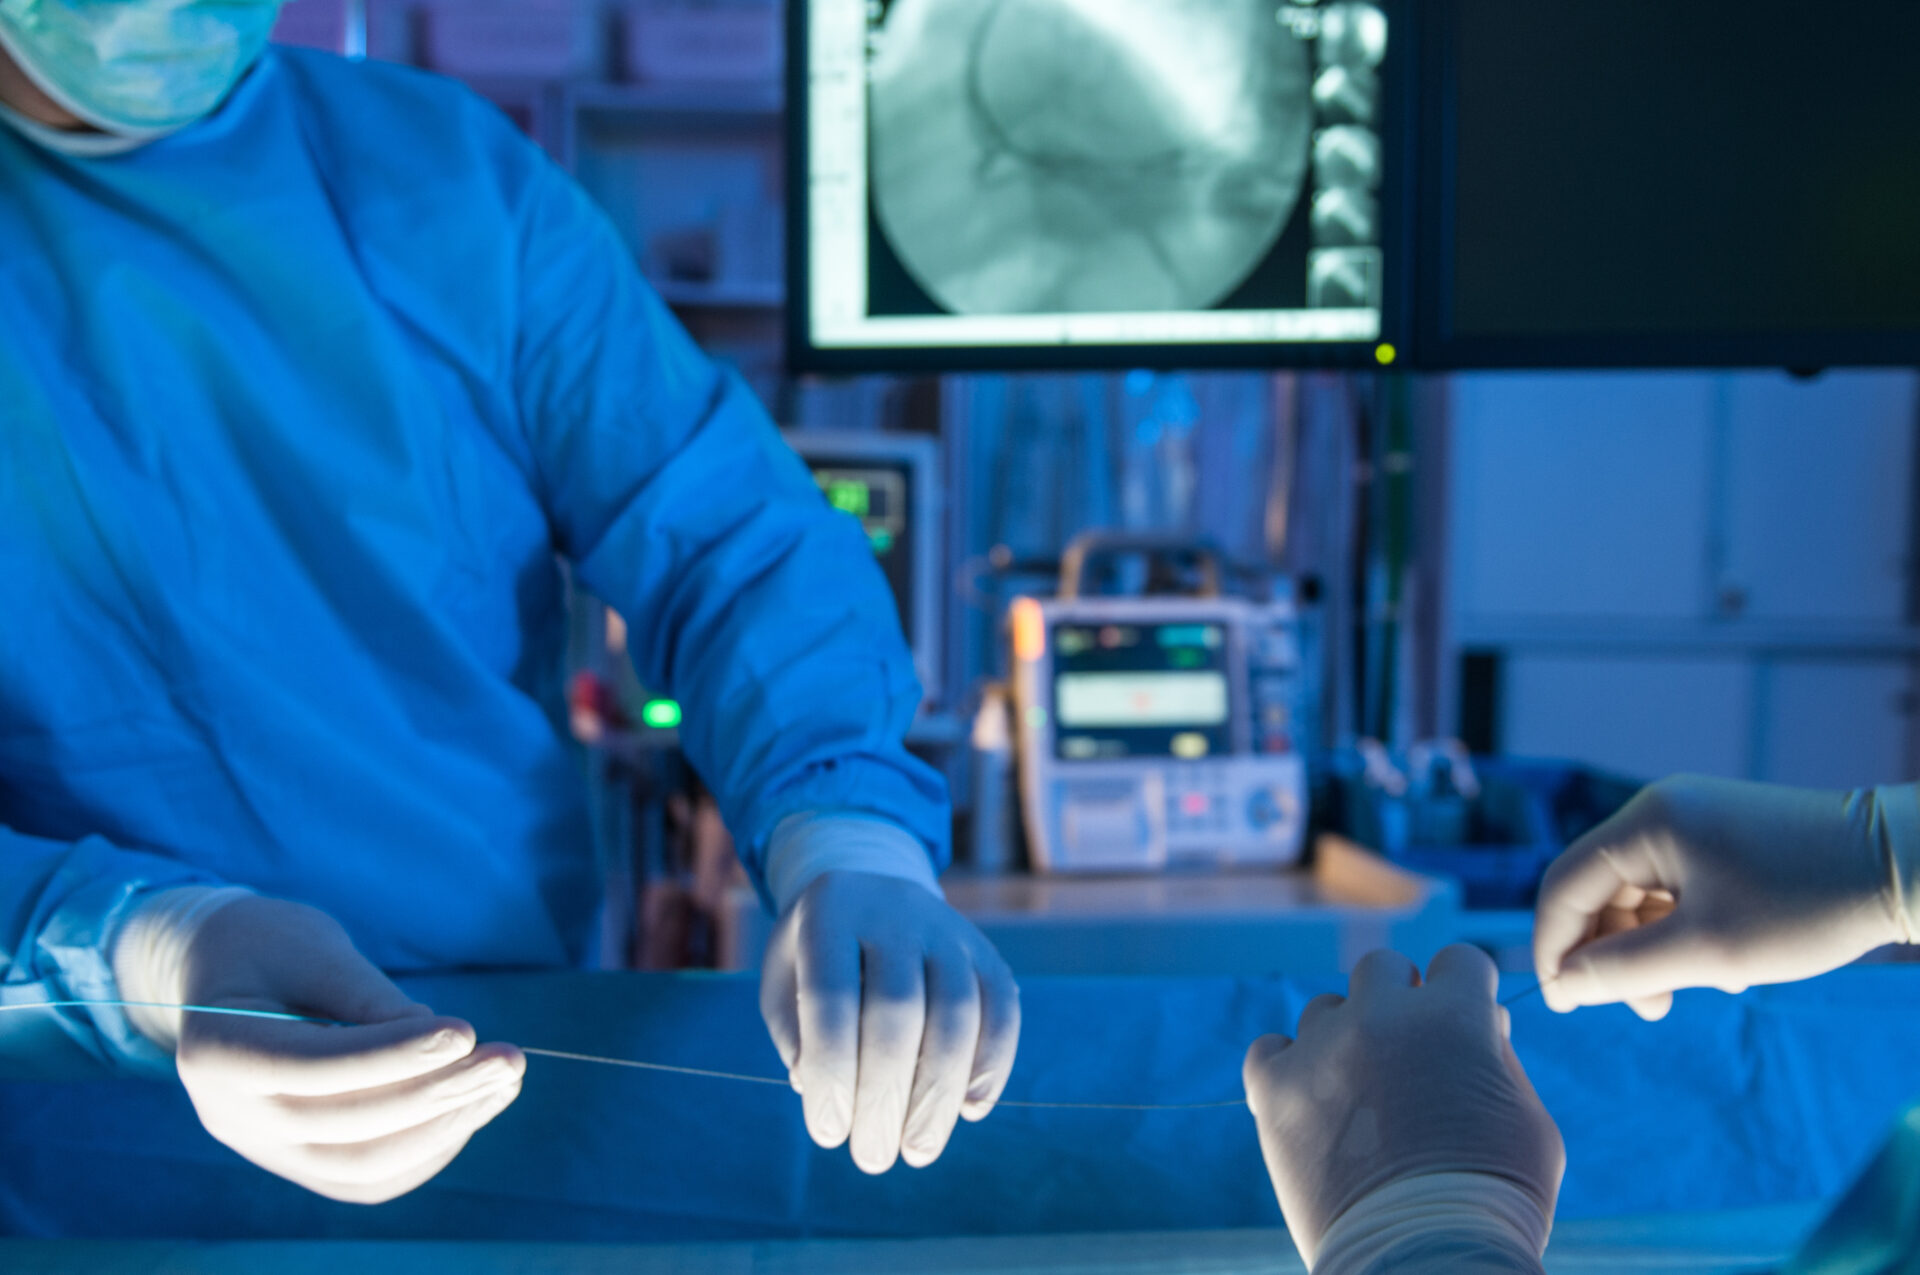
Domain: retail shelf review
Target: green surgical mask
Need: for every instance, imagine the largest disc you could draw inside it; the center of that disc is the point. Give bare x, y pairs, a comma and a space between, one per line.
136, 68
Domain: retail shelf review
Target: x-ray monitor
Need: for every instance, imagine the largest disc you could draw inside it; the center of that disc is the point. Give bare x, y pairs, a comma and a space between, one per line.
985, 183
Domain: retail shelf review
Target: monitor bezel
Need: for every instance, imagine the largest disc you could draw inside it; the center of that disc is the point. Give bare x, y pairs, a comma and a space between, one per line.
1396, 202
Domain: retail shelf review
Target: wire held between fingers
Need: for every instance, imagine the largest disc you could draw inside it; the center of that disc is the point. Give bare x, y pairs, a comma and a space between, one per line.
1539, 986
703, 1073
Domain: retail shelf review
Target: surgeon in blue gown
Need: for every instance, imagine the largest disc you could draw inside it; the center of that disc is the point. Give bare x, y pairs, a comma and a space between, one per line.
312, 372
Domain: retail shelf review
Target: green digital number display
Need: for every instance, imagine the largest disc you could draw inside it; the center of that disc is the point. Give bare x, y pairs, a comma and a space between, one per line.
850, 497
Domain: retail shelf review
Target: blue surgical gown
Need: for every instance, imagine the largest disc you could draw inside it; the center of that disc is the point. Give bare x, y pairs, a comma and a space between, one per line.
300, 410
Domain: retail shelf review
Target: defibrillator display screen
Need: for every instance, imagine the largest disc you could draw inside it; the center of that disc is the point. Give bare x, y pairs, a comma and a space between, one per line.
1141, 690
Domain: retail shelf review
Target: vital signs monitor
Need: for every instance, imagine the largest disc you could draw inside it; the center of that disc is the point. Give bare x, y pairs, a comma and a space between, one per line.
891, 484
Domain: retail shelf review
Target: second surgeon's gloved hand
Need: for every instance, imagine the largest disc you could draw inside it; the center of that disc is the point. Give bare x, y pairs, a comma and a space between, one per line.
1399, 1129
1715, 883
894, 1015
360, 1114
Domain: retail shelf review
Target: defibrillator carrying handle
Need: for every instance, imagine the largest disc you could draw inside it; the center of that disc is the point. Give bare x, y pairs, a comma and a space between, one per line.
1092, 546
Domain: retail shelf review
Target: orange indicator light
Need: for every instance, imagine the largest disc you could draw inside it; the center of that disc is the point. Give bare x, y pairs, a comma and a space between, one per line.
1029, 630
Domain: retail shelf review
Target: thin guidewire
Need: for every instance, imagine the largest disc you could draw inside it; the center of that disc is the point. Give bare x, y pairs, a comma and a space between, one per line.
1538, 987
599, 1060
1122, 1106
773, 1080
275, 1015
741, 1077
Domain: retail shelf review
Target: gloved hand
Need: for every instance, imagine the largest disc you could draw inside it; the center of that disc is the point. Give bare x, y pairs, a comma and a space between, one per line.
893, 1014
1715, 883
1398, 1081
360, 1114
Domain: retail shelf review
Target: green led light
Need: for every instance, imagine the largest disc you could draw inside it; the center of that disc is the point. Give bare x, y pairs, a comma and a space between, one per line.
661, 714
850, 497
882, 539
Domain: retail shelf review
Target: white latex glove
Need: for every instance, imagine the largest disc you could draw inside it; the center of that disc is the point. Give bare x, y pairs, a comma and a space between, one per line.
893, 1014
1715, 883
360, 1114
1400, 1083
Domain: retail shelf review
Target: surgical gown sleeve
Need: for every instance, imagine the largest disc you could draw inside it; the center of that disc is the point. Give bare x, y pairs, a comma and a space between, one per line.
60, 906
1898, 826
747, 597
1438, 1224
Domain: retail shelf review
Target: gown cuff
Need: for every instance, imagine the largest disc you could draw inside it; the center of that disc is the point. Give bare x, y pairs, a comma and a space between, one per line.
1895, 829
1438, 1222
150, 955
806, 846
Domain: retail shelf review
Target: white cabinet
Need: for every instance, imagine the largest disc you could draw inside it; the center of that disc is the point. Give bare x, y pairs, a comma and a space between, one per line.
1815, 722
1581, 496
1637, 716
1692, 571
1818, 484
1836, 723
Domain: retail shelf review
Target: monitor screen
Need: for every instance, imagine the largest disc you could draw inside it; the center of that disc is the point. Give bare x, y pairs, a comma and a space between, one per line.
878, 494
1085, 176
1675, 173
1140, 690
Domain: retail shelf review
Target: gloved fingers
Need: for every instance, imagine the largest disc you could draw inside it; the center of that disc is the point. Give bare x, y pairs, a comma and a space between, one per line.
1657, 906
413, 1175
1265, 1051
1380, 972
375, 1113
1640, 964
327, 977
1463, 970
384, 1159
1603, 869
371, 1193
947, 1050
780, 999
269, 1057
827, 972
1261, 1056
1556, 1167
893, 1019
1632, 909
1614, 919
1316, 1009
999, 1033
1652, 1008
1619, 920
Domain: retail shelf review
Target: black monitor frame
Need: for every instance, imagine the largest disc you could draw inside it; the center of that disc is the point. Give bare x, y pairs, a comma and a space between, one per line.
1436, 347
1398, 135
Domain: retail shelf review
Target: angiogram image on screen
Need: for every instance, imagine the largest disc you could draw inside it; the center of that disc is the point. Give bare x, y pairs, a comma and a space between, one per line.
1130, 158
1103, 154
